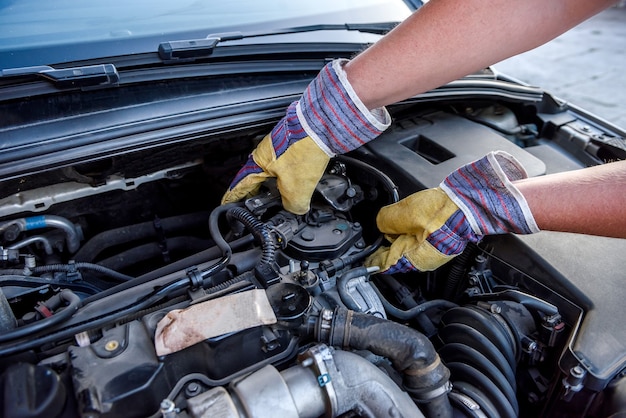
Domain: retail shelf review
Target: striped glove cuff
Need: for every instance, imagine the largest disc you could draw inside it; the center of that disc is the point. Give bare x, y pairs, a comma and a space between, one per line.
484, 191
334, 117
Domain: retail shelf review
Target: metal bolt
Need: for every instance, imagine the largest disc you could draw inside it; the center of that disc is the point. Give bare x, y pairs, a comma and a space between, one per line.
111, 345
168, 408
528, 344
481, 262
577, 372
573, 383
30, 261
192, 389
495, 308
327, 314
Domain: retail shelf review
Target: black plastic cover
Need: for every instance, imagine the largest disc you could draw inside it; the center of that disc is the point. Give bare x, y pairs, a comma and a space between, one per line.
428, 148
590, 271
29, 391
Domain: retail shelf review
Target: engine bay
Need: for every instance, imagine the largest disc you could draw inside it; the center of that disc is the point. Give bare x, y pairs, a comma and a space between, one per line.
126, 289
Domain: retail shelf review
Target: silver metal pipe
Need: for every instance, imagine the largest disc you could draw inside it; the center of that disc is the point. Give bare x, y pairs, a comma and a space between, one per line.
71, 231
326, 383
30, 240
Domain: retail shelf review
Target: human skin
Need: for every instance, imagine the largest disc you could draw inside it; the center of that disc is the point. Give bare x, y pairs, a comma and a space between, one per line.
589, 201
448, 39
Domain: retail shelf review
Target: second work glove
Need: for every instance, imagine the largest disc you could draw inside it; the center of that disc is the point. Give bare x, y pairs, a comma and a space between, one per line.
430, 227
329, 119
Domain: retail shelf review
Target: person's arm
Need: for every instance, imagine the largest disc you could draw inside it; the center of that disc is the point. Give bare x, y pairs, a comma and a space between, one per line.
493, 196
448, 39
590, 201
343, 107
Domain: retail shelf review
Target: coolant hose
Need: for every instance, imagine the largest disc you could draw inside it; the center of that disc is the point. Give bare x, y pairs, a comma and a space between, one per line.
413, 312
138, 232
153, 250
425, 377
344, 280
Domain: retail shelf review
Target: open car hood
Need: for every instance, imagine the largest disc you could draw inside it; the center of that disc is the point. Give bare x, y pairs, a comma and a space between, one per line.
128, 290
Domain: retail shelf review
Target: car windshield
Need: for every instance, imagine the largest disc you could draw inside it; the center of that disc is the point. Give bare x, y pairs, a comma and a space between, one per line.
32, 23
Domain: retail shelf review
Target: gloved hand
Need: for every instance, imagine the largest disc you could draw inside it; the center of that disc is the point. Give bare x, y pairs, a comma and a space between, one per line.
329, 119
429, 228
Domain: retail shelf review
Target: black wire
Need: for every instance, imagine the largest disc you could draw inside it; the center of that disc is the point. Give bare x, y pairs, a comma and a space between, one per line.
260, 230
59, 317
96, 322
68, 268
147, 301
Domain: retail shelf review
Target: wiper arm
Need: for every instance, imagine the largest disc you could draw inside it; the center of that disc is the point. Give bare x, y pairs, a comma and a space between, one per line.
200, 48
379, 28
75, 77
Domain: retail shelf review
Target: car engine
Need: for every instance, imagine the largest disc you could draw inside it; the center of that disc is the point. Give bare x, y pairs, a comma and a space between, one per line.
126, 289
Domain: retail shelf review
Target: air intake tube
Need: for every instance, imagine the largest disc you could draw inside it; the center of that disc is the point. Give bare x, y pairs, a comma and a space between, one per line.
425, 377
327, 382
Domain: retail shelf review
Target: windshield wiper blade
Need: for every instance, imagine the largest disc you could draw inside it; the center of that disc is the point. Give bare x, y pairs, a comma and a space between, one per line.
378, 28
74, 77
201, 48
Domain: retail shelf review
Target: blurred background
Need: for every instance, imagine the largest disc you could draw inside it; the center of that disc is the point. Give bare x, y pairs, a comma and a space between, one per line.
585, 66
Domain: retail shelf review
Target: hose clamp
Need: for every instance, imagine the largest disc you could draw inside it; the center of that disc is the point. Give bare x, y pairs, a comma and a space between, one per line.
427, 395
320, 359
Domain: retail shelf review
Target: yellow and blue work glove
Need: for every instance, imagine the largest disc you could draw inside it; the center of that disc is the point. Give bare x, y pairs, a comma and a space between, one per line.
429, 228
329, 119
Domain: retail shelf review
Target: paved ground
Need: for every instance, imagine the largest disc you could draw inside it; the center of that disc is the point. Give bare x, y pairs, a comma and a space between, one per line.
586, 66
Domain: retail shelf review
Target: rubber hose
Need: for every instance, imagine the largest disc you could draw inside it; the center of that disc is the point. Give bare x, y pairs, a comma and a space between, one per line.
107, 239
97, 322
73, 304
529, 301
342, 286
169, 289
416, 310
144, 252
425, 377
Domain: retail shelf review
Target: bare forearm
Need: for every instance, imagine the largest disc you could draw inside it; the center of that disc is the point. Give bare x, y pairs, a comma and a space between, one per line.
590, 201
448, 39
